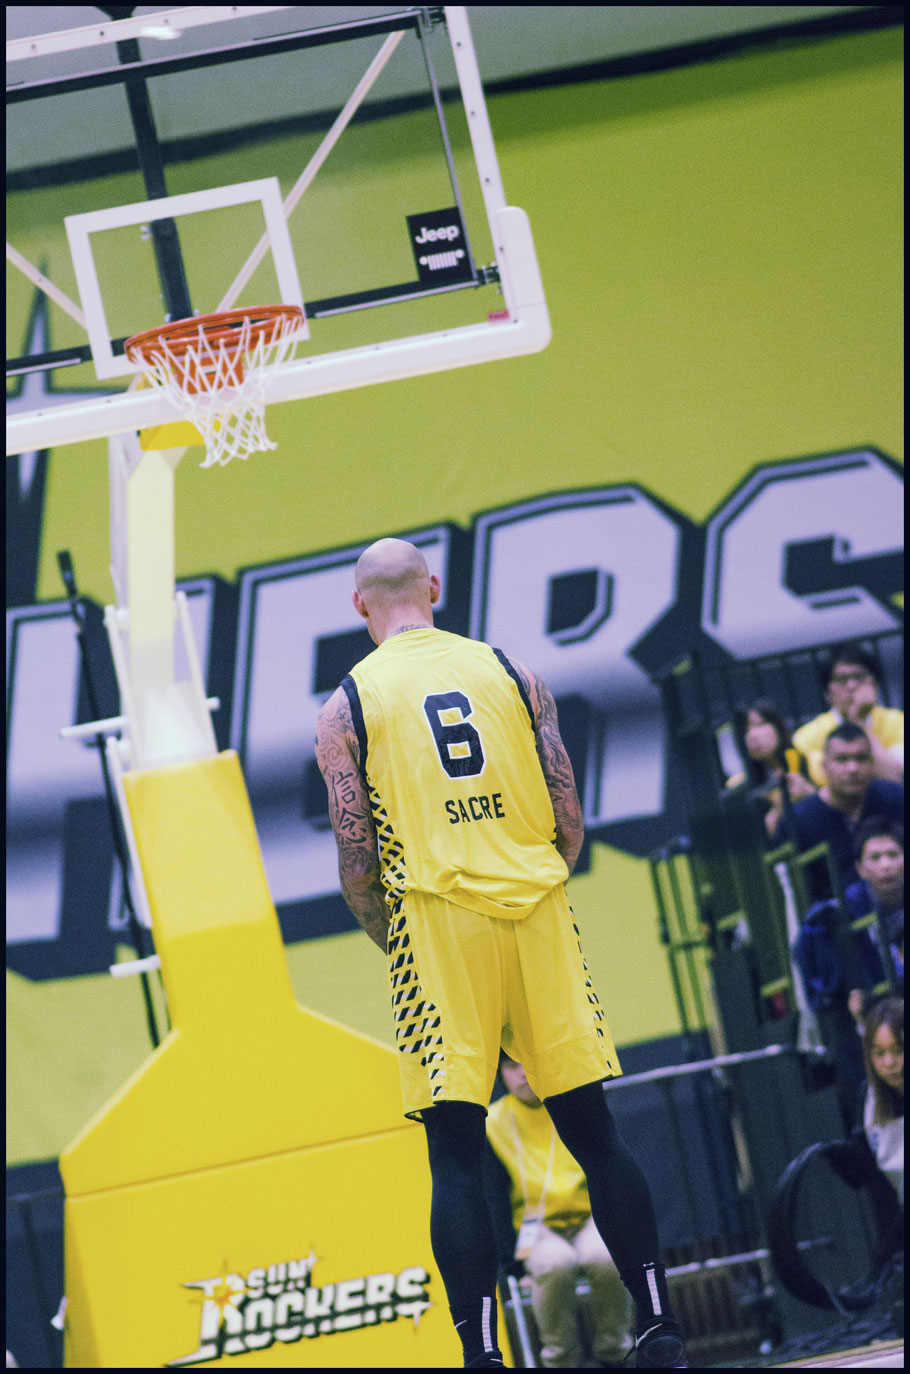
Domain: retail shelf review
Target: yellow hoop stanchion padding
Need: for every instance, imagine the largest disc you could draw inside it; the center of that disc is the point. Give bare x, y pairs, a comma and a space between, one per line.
177, 434
180, 434
252, 1193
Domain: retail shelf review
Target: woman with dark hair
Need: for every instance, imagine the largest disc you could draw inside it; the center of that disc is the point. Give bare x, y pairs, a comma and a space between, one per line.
770, 757
883, 1112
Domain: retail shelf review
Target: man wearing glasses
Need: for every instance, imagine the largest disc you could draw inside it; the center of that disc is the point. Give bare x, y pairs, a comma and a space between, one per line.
850, 679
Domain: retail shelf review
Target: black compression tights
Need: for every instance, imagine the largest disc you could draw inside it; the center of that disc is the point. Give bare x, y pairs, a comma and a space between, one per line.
620, 1197
461, 1230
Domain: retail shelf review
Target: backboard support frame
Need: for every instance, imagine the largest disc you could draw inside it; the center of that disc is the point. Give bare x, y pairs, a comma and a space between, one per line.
522, 327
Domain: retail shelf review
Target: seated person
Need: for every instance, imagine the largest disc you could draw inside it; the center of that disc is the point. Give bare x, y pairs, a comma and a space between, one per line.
842, 969
873, 1155
879, 853
833, 965
771, 757
883, 1110
850, 678
851, 795
537, 1189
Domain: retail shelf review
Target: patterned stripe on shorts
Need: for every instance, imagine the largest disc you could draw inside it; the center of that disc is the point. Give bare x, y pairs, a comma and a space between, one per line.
589, 986
417, 1020
391, 851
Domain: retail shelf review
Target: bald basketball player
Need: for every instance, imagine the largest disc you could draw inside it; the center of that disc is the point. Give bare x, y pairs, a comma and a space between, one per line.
457, 822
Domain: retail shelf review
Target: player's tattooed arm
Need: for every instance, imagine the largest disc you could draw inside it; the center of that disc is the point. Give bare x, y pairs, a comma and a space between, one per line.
337, 754
557, 768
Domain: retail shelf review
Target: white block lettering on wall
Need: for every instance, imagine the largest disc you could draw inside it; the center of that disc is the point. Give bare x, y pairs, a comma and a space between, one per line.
619, 552
298, 635
801, 554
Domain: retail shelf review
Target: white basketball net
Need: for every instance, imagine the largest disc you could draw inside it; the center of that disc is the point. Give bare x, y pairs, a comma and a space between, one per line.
219, 386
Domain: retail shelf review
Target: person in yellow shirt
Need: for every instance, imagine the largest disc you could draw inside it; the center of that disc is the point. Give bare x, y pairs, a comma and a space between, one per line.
553, 1237
850, 679
454, 809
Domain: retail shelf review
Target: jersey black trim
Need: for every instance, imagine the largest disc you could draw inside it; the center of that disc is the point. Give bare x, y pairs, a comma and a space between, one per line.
518, 683
360, 729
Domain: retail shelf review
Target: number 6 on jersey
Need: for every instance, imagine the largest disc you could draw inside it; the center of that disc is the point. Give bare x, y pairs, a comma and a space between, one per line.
458, 743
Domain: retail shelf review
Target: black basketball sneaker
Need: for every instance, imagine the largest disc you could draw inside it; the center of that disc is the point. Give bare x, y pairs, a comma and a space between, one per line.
661, 1347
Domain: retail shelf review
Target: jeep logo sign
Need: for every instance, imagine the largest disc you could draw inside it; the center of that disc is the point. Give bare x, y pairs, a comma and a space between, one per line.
440, 248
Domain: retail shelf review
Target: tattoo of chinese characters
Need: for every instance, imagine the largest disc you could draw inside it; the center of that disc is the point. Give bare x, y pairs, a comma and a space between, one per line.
338, 756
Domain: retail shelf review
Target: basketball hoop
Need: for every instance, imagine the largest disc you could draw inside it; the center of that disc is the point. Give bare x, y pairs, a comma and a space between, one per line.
215, 369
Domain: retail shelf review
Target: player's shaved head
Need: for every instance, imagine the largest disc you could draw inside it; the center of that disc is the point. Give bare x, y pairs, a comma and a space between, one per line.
392, 570
394, 589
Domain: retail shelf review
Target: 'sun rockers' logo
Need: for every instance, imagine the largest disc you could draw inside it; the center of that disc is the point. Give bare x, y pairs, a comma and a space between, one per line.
281, 1303
440, 248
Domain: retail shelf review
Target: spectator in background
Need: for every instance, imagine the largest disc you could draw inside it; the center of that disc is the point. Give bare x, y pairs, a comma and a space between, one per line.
873, 1155
843, 970
883, 1112
539, 1200
771, 758
850, 679
879, 854
851, 794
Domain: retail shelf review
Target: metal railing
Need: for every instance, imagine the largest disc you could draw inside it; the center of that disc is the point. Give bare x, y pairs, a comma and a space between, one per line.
702, 691
706, 1265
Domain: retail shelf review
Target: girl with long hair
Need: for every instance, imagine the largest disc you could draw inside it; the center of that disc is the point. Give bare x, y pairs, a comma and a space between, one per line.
770, 758
883, 1112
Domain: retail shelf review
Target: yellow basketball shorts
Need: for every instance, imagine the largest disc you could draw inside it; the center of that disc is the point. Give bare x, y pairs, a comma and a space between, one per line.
463, 984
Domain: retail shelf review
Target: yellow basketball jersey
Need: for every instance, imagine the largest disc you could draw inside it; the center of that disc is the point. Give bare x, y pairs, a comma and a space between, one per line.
448, 754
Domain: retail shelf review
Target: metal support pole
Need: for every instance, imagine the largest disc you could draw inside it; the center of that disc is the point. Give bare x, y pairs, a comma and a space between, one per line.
667, 937
165, 239
65, 563
524, 1336
424, 28
719, 1061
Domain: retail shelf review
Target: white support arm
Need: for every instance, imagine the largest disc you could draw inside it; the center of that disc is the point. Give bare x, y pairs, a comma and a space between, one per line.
343, 371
